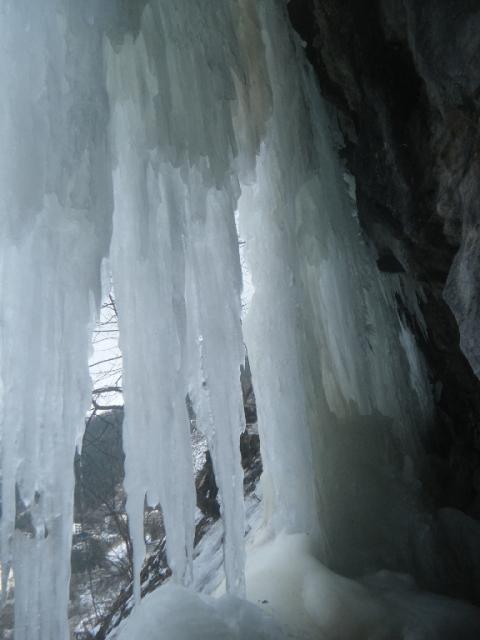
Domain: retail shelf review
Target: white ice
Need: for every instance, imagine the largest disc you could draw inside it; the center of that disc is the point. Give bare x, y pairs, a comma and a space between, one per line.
285, 578
186, 118
55, 217
174, 612
176, 270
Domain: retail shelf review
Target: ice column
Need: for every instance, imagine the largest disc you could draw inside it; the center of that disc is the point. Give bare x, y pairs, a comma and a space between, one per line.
212, 109
173, 90
333, 367
55, 204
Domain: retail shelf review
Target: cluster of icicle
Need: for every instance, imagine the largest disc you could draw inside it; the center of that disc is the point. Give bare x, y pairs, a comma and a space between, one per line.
142, 133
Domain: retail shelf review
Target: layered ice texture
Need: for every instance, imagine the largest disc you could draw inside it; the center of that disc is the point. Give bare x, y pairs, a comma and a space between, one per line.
155, 134
55, 218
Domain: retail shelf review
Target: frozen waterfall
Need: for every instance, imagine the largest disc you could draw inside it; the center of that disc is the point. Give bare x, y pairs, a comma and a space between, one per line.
151, 135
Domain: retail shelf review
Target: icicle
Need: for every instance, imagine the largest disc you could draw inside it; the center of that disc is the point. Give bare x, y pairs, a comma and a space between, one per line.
176, 264
196, 90
216, 344
148, 267
330, 359
54, 213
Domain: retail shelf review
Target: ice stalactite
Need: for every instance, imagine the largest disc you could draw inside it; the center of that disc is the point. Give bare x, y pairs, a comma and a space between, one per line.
148, 265
342, 393
207, 112
176, 265
55, 208
195, 95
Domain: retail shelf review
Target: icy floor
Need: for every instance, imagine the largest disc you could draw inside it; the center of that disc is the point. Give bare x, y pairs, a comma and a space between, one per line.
173, 612
310, 601
292, 595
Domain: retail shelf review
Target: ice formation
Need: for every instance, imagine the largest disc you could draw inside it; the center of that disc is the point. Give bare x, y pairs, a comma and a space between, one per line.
144, 133
55, 206
332, 360
173, 612
175, 261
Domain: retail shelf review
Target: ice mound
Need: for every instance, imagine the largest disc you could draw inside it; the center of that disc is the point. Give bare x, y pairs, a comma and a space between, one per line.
310, 601
173, 612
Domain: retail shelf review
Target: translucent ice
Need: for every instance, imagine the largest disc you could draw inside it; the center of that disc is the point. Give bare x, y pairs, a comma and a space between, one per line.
55, 208
185, 118
176, 265
342, 394
173, 612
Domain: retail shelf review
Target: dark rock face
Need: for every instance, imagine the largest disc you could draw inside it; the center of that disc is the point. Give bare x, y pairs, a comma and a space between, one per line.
404, 77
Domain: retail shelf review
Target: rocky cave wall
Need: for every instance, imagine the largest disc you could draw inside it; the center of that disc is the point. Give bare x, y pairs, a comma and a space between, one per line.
403, 77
